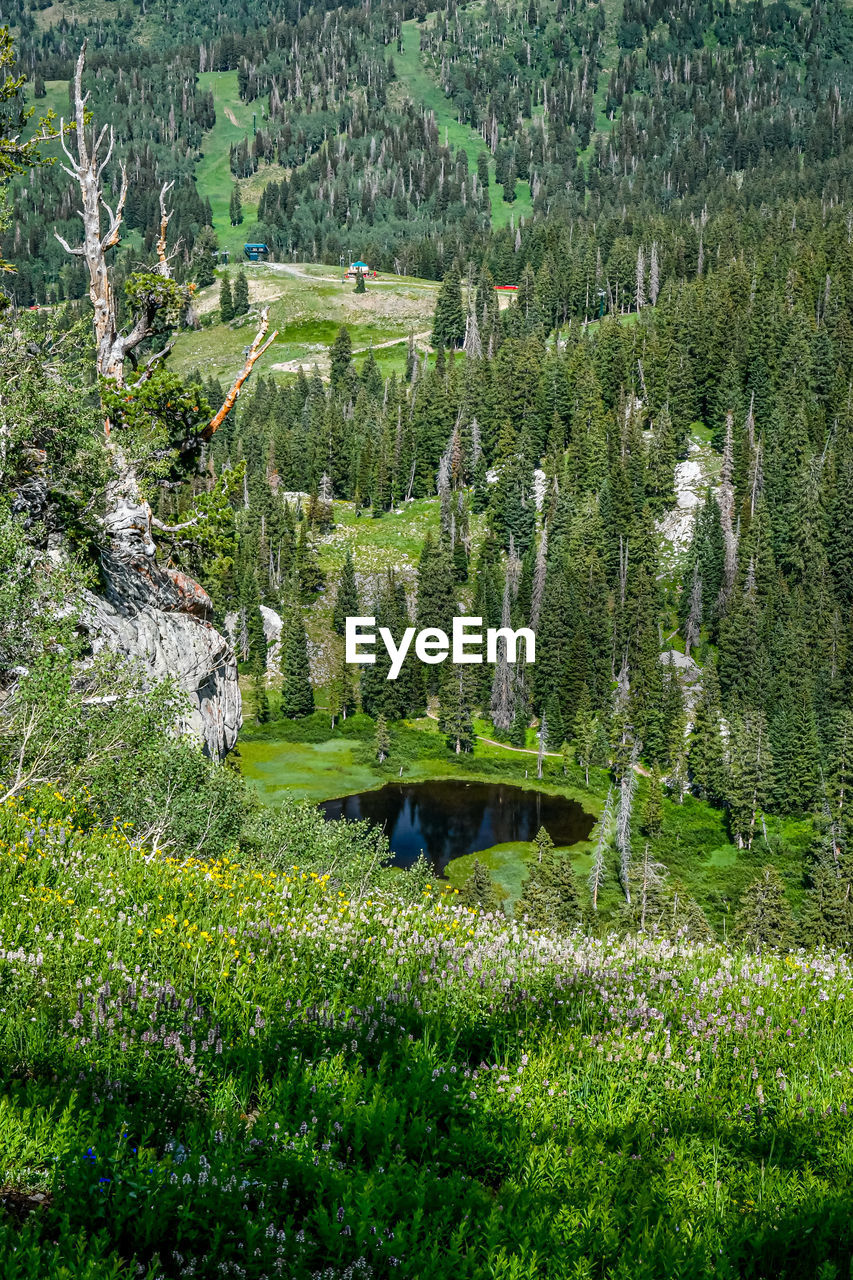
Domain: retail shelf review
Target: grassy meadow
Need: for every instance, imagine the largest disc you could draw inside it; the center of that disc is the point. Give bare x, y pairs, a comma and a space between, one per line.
307, 307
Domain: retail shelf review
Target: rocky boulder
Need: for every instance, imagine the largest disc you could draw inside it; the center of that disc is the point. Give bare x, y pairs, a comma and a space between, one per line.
184, 647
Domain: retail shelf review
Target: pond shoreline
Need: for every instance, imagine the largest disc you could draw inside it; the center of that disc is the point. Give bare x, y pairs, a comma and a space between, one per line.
447, 819
340, 765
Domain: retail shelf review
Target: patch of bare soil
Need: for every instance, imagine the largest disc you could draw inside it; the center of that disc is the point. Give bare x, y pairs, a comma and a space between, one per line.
20, 1204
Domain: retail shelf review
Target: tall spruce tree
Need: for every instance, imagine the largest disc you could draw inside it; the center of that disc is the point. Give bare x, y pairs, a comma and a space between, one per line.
764, 918
706, 756
346, 601
827, 914
551, 899
226, 301
436, 586
448, 329
340, 358
478, 891
297, 695
241, 294
455, 709
382, 740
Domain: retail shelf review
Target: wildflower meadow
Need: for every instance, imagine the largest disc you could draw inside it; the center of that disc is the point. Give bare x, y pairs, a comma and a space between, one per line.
245, 1069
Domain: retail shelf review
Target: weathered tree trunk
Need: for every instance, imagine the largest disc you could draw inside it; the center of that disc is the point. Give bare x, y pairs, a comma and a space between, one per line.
155, 613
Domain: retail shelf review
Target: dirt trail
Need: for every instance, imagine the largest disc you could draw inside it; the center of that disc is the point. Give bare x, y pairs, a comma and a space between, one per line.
534, 751
320, 358
293, 269
524, 751
392, 342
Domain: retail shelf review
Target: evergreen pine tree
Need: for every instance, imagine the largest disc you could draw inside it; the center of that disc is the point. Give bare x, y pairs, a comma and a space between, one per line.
436, 590
205, 256
554, 719
827, 915
259, 696
448, 329
653, 813
340, 358
750, 775
455, 706
226, 302
478, 891
360, 286
346, 601
587, 732
382, 740
512, 510
241, 294
551, 899
796, 752
840, 527
706, 757
297, 696
252, 642
520, 722
235, 206
764, 918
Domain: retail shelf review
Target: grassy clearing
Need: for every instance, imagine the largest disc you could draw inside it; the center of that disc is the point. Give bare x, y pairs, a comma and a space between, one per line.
307, 307
213, 174
394, 541
55, 99
507, 864
308, 770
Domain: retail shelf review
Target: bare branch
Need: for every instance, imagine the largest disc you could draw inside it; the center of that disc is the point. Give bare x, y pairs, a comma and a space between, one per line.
78, 252
72, 172
152, 362
176, 528
163, 261
102, 166
80, 100
114, 234
256, 350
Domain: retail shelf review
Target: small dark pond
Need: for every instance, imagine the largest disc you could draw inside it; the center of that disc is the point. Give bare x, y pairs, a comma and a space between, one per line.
447, 819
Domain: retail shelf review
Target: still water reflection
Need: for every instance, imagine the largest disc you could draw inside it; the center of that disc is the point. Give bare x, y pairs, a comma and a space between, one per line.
446, 819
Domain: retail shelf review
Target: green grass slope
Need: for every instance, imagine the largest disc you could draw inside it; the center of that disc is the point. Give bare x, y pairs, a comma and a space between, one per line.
214, 178
247, 1067
308, 304
418, 82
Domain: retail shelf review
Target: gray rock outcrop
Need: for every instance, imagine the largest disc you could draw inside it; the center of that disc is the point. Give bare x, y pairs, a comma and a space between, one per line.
182, 646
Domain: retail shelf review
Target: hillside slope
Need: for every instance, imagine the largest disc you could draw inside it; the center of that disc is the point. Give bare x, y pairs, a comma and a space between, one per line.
284, 1050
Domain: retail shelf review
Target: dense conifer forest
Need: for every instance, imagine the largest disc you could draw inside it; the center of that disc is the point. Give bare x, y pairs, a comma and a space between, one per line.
237, 1038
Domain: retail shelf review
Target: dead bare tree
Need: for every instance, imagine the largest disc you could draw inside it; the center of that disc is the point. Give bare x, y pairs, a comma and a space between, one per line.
599, 870
129, 556
165, 215
135, 580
